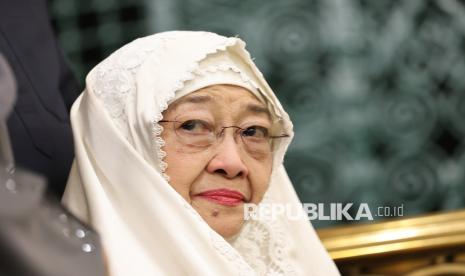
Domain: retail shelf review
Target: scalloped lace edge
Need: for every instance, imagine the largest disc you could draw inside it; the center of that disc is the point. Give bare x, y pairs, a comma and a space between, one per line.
157, 130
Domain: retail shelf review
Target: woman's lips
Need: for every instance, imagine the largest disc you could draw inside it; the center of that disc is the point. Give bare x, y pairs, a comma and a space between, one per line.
223, 196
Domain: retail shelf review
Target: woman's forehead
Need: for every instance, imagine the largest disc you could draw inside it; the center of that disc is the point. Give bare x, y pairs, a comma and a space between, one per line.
225, 93
228, 96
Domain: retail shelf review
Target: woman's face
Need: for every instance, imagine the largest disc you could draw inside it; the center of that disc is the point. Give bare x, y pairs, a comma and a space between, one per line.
217, 179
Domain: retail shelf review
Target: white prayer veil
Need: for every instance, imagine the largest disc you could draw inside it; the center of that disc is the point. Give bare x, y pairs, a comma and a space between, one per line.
117, 183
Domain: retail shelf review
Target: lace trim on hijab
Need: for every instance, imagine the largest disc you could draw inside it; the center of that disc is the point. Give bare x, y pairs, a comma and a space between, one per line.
264, 245
158, 129
218, 243
114, 81
189, 75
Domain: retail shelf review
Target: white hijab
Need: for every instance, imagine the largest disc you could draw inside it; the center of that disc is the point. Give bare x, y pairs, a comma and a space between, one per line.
117, 183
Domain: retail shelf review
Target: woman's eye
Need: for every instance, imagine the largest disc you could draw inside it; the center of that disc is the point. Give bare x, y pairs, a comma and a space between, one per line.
255, 131
195, 126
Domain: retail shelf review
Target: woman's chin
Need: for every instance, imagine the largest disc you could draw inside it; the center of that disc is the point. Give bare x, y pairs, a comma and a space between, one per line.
226, 221
227, 231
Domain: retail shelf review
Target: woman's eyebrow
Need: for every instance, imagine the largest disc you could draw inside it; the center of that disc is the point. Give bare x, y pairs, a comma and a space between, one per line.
193, 99
258, 109
200, 99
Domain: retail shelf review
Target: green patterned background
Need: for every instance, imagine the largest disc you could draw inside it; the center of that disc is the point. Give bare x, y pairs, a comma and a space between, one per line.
375, 88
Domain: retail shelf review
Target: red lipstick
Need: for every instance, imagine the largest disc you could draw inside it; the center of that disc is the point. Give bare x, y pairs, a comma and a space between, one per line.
223, 196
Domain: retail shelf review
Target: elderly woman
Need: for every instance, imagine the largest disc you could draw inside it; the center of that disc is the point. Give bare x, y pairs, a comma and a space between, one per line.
174, 133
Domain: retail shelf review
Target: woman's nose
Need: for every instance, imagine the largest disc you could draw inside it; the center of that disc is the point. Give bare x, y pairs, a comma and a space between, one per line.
227, 159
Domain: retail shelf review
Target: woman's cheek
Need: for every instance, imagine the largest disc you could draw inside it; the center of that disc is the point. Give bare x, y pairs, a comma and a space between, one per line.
185, 169
259, 177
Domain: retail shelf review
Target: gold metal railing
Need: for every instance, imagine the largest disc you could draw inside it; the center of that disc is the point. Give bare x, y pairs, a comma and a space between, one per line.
426, 245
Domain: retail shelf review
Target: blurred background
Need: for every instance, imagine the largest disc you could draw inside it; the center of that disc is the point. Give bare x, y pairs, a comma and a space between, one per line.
375, 88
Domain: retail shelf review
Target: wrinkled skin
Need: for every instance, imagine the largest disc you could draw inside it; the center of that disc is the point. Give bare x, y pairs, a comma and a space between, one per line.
226, 164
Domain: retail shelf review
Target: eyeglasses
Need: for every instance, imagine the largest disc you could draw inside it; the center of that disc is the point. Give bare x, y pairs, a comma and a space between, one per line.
199, 134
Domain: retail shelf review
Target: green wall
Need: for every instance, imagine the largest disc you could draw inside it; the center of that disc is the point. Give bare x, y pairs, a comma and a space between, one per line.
375, 88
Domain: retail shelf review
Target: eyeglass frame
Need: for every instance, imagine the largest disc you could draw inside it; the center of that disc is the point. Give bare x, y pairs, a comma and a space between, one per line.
220, 133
